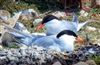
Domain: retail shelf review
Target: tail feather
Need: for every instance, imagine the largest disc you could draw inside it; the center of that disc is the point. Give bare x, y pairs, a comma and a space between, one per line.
80, 25
75, 21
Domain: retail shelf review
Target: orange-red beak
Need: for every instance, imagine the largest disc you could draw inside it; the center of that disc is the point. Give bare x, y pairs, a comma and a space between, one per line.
40, 26
79, 40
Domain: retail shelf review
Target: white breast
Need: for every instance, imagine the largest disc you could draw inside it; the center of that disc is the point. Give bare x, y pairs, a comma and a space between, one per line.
67, 42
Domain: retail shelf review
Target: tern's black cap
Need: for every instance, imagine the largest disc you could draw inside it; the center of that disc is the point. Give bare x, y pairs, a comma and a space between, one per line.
48, 18
68, 32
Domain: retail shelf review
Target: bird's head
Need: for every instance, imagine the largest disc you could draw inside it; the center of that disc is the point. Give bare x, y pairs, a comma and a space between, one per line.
70, 36
46, 19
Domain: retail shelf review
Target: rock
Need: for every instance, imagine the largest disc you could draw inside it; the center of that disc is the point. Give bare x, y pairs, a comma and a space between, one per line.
7, 39
35, 55
89, 28
99, 44
91, 62
81, 63
12, 20
97, 41
5, 36
4, 14
99, 30
23, 46
1, 47
28, 14
95, 16
98, 2
59, 14
83, 13
0, 38
57, 63
29, 56
1, 30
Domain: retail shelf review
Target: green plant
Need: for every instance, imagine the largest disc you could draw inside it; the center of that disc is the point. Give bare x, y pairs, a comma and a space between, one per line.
96, 58
14, 45
95, 10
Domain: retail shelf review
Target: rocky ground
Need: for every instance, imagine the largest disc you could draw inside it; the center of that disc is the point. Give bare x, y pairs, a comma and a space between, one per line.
40, 56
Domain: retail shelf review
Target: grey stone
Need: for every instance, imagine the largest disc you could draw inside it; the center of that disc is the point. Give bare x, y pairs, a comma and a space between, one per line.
4, 14
91, 62
39, 56
81, 63
28, 14
57, 63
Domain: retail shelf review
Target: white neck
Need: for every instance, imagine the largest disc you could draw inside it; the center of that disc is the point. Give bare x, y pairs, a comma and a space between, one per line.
67, 42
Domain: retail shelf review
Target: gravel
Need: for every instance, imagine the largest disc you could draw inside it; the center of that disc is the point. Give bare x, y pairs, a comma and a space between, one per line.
39, 56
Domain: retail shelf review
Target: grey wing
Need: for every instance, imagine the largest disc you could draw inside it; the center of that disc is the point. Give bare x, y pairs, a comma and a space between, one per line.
44, 42
48, 43
71, 26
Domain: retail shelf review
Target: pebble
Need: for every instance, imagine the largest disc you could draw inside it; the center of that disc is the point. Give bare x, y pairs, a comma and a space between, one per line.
91, 62
39, 56
28, 14
89, 28
83, 13
81, 63
59, 14
57, 63
1, 47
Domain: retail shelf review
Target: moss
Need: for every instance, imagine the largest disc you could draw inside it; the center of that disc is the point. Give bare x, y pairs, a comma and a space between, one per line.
42, 6
96, 58
14, 45
12, 6
83, 19
95, 24
95, 10
28, 23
